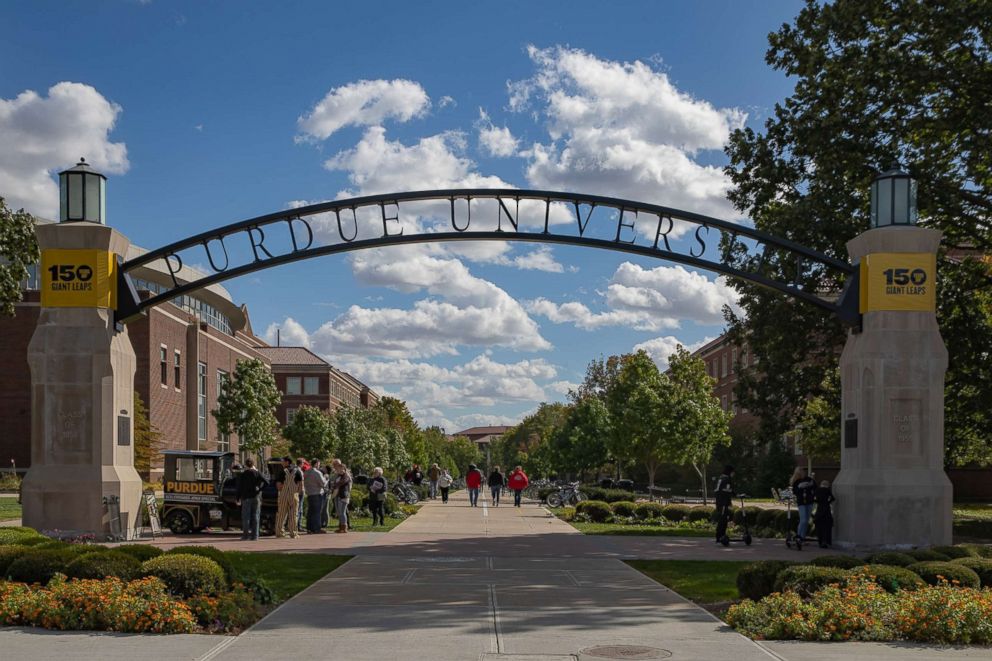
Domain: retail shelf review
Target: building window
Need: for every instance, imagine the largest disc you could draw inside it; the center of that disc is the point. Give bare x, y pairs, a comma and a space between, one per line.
163, 364
723, 365
733, 360
311, 385
223, 440
201, 403
723, 402
290, 415
293, 386
177, 368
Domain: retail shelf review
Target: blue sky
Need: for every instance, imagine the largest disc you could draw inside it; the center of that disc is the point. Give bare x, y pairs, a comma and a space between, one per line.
205, 113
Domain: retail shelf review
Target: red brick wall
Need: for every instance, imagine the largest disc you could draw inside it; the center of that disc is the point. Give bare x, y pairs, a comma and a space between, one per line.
15, 384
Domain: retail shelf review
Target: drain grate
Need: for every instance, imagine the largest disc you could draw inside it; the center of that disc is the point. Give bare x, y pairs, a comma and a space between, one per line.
632, 652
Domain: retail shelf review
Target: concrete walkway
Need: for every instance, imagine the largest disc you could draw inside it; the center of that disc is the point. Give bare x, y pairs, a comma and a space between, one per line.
476, 584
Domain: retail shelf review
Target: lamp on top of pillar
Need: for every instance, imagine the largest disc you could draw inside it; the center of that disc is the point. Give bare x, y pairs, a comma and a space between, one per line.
82, 195
893, 198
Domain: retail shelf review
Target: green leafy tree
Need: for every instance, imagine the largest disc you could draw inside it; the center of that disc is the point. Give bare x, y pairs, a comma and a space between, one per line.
147, 439
311, 434
580, 444
246, 406
819, 425
877, 81
529, 443
18, 251
361, 437
459, 453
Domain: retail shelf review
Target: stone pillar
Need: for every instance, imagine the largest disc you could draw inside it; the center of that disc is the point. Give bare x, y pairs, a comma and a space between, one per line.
892, 491
82, 394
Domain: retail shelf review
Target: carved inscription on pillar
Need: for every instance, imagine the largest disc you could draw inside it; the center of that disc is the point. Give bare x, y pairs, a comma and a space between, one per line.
906, 417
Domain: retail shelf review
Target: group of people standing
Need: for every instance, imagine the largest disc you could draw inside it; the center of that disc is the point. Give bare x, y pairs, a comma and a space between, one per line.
516, 482
439, 480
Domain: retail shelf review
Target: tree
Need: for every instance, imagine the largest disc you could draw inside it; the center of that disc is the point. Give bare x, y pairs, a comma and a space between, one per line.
529, 443
311, 434
361, 437
147, 439
877, 81
459, 453
246, 406
18, 251
580, 444
699, 423
819, 424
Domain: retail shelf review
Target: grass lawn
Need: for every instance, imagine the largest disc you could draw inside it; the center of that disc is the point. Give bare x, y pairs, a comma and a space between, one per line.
700, 581
628, 529
286, 573
364, 524
9, 509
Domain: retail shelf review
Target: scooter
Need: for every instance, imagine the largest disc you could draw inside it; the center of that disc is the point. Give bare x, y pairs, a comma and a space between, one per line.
792, 540
746, 536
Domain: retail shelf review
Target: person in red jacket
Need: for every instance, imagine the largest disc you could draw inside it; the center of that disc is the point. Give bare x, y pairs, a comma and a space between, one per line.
473, 480
517, 482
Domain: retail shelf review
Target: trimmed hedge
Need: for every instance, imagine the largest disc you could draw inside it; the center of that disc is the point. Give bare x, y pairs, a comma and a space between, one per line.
215, 554
185, 574
675, 513
38, 566
934, 572
18, 535
605, 495
701, 513
757, 580
752, 515
596, 510
623, 508
805, 580
644, 511
9, 553
767, 518
893, 558
927, 555
837, 561
102, 565
981, 566
978, 550
140, 552
891, 578
953, 552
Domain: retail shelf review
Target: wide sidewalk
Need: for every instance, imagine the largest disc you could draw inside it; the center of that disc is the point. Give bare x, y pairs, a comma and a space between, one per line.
463, 584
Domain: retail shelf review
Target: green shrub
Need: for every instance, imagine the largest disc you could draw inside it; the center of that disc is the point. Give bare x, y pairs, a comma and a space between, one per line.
623, 508
71, 550
805, 580
605, 495
20, 535
102, 565
752, 515
838, 561
38, 566
927, 555
702, 513
646, 511
185, 574
757, 580
973, 528
391, 504
596, 510
893, 558
953, 552
981, 566
675, 513
934, 572
978, 550
785, 521
766, 518
9, 553
141, 552
890, 577
215, 554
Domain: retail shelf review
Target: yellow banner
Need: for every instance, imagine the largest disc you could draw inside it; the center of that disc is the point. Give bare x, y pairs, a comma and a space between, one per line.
899, 281
78, 279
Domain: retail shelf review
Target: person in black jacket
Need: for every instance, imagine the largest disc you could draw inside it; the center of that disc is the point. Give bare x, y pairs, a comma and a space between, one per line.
803, 490
724, 498
824, 518
378, 488
250, 483
496, 483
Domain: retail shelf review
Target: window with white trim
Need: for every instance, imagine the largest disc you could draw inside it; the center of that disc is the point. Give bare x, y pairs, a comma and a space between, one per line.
294, 385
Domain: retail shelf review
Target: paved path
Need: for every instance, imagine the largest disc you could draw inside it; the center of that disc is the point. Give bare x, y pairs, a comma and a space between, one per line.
474, 584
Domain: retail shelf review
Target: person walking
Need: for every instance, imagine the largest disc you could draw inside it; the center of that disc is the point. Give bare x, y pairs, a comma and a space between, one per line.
496, 482
824, 518
289, 486
314, 485
724, 498
518, 481
250, 483
342, 495
378, 488
473, 480
433, 475
804, 491
444, 484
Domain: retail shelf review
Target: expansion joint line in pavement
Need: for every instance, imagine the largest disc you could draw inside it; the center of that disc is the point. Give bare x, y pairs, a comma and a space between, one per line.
496, 642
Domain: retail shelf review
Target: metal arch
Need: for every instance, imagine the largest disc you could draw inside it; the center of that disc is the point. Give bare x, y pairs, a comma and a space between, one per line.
842, 309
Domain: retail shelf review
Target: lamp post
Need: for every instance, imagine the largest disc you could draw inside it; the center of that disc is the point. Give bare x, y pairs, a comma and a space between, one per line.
82, 195
893, 198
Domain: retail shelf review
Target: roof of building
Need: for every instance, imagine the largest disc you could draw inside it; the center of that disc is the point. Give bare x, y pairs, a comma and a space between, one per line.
494, 429
291, 356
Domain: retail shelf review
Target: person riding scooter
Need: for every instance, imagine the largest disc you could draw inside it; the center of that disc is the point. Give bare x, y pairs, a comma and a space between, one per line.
724, 498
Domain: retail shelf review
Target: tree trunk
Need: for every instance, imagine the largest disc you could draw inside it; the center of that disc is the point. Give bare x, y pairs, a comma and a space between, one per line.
702, 476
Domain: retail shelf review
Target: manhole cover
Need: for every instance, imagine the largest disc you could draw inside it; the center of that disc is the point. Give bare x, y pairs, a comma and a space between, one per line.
625, 652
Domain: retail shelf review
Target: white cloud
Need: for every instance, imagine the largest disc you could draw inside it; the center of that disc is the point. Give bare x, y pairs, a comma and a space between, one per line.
662, 348
494, 140
563, 387
446, 101
363, 103
623, 130
41, 135
291, 334
583, 317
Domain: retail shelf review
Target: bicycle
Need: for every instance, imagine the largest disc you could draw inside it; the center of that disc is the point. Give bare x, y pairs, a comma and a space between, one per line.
405, 493
568, 494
